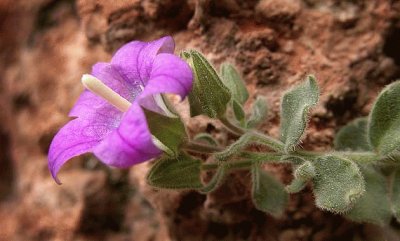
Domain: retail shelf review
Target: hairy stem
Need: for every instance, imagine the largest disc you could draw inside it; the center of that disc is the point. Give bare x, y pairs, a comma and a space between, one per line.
201, 148
234, 129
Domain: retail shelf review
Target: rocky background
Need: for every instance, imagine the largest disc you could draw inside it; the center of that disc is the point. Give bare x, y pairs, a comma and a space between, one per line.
352, 46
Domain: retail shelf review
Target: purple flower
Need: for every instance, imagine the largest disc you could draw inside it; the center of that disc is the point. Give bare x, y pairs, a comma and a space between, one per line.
115, 130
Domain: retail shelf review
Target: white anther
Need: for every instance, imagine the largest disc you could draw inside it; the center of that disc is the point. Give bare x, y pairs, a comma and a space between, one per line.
99, 88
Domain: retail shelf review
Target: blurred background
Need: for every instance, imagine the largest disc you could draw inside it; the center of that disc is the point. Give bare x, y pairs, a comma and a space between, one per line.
352, 46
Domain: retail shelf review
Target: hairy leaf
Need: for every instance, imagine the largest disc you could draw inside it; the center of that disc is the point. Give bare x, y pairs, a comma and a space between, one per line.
353, 136
258, 112
384, 120
268, 194
302, 174
209, 95
238, 112
396, 194
305, 171
338, 183
297, 185
182, 172
234, 82
169, 131
373, 206
294, 111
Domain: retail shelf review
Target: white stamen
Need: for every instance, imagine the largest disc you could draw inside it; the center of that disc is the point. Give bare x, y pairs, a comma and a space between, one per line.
99, 88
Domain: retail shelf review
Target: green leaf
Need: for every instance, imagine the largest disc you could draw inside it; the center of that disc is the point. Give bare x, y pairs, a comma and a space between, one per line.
338, 184
168, 131
305, 171
238, 112
207, 138
353, 136
302, 174
215, 181
384, 120
297, 185
182, 172
268, 194
258, 112
294, 111
209, 95
234, 82
373, 206
396, 194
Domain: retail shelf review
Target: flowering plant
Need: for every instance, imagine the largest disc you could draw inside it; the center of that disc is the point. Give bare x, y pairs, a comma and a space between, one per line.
124, 119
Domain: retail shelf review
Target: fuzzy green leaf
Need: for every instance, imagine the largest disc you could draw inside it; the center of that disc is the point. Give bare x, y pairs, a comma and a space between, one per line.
396, 195
238, 112
294, 111
338, 184
234, 82
305, 171
169, 131
259, 112
209, 95
182, 172
384, 120
297, 185
302, 174
373, 206
353, 136
268, 194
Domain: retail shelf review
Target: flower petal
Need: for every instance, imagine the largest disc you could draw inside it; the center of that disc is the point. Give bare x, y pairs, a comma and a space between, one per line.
88, 103
134, 60
80, 136
130, 143
169, 74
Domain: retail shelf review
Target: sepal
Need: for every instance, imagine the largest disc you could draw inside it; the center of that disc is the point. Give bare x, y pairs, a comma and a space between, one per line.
209, 95
168, 132
182, 172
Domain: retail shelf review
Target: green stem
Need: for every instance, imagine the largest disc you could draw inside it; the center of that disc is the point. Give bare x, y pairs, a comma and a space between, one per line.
201, 148
251, 157
240, 164
269, 141
231, 126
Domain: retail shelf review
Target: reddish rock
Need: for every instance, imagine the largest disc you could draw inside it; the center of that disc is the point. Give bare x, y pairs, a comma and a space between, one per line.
46, 45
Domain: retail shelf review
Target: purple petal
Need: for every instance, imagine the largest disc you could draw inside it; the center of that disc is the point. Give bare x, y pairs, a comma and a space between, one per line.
130, 143
80, 136
169, 74
134, 60
88, 103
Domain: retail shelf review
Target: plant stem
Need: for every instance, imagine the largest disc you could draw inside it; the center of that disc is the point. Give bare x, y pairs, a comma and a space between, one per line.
232, 127
201, 148
240, 164
251, 157
269, 141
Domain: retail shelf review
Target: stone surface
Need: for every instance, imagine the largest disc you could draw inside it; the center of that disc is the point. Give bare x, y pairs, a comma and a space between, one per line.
46, 45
